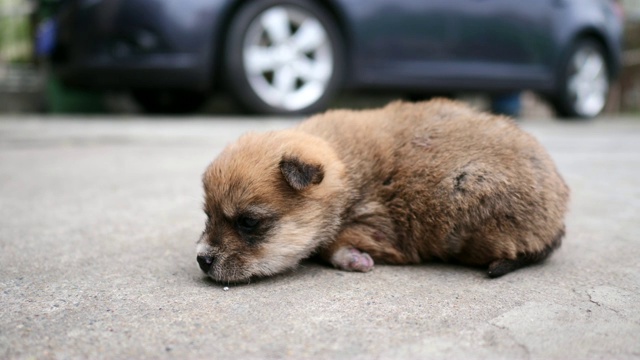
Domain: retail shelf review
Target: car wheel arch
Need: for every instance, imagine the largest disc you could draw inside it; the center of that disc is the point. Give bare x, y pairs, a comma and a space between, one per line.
591, 33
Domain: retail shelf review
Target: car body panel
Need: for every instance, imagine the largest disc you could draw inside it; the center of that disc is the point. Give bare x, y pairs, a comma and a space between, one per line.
139, 43
453, 45
464, 47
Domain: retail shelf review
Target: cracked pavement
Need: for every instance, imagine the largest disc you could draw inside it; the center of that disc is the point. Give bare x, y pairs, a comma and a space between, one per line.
98, 223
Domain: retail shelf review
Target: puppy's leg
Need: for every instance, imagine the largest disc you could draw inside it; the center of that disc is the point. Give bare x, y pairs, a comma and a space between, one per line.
356, 248
500, 267
351, 259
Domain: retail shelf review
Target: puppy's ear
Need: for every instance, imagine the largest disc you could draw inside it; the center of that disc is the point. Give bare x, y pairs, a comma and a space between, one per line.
299, 174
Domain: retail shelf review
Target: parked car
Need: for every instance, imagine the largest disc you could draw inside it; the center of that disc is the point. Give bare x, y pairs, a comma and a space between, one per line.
293, 56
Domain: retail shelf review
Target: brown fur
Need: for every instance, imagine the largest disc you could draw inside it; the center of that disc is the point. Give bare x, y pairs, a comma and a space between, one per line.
400, 185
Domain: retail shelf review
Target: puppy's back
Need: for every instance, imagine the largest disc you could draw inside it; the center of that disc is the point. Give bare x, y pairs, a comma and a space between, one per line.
457, 183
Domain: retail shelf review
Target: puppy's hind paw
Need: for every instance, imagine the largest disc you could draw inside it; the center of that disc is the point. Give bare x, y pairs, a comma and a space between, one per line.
351, 259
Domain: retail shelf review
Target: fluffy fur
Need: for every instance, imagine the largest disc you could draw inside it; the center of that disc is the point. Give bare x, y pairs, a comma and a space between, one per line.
399, 185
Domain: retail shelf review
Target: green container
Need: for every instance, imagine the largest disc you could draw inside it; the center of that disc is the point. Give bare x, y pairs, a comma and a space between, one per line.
62, 99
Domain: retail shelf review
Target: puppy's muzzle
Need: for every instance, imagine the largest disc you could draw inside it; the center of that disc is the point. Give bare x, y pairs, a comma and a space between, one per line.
205, 262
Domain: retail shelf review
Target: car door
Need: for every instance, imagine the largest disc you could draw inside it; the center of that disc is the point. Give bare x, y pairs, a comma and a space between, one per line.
499, 43
452, 44
399, 41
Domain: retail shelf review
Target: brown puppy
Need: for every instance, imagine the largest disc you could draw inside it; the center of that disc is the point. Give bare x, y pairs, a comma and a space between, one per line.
399, 185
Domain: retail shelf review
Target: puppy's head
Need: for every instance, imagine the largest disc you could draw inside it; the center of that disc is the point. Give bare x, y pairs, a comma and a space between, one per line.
270, 200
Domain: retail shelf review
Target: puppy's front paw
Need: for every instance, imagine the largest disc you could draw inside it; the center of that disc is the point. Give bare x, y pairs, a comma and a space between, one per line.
351, 259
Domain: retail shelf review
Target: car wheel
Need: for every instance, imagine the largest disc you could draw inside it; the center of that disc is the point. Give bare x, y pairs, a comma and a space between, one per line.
584, 82
283, 57
169, 101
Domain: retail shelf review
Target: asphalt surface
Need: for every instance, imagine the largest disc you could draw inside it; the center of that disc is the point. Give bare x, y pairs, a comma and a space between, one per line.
98, 223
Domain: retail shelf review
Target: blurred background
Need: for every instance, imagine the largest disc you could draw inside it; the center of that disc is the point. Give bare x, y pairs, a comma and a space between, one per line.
566, 58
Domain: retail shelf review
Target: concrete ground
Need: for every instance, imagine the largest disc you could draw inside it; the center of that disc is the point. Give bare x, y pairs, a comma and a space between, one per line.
98, 223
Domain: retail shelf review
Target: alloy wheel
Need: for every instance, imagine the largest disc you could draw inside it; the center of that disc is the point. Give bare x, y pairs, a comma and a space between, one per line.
588, 82
287, 57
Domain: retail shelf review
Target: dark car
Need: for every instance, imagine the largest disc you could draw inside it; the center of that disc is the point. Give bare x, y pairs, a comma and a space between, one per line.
292, 56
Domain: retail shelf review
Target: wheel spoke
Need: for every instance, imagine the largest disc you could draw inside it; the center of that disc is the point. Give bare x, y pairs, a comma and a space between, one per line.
259, 59
309, 36
309, 70
593, 67
285, 81
573, 85
577, 63
310, 90
601, 85
276, 23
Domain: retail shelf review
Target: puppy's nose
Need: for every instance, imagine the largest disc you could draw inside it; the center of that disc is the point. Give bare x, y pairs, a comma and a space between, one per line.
205, 262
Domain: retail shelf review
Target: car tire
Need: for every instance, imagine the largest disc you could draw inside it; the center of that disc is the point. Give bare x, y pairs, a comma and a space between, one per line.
283, 57
169, 101
584, 81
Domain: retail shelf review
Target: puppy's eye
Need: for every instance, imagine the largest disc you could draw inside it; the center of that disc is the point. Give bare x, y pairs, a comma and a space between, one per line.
247, 224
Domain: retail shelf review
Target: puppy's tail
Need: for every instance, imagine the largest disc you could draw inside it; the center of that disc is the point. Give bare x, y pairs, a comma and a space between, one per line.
500, 267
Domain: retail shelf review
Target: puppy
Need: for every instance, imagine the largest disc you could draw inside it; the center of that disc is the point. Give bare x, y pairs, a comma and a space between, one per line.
408, 183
